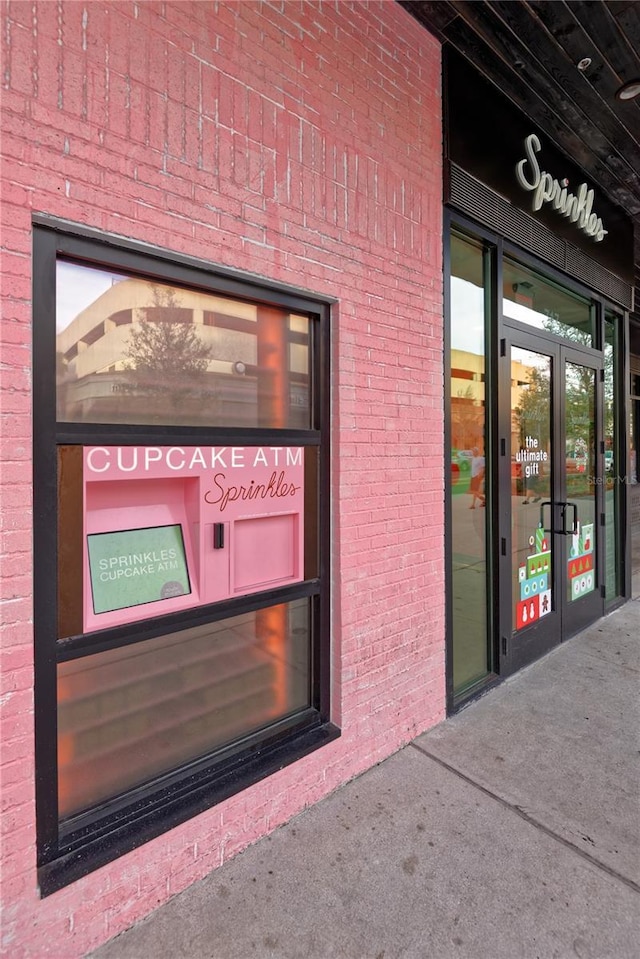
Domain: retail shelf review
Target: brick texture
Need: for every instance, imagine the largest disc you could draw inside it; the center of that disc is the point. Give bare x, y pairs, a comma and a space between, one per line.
300, 142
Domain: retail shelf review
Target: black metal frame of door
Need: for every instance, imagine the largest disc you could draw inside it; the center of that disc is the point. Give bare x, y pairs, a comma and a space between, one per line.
558, 513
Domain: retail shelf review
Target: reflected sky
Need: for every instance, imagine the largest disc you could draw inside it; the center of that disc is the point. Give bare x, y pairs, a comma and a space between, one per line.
467, 314
77, 287
525, 314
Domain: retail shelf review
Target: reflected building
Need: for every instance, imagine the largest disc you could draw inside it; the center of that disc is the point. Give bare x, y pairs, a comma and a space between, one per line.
152, 351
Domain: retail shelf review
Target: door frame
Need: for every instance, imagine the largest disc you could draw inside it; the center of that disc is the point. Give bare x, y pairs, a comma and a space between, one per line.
565, 620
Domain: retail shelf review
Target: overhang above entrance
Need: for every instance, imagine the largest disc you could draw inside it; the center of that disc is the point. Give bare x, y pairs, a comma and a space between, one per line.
531, 51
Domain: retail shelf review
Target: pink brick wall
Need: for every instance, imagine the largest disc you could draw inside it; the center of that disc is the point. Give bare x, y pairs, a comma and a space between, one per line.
301, 142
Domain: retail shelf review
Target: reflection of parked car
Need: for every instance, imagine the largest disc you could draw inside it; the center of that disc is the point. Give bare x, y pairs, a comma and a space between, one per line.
608, 461
460, 463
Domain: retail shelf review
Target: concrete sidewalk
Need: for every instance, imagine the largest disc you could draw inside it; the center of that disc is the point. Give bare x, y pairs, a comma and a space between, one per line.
510, 831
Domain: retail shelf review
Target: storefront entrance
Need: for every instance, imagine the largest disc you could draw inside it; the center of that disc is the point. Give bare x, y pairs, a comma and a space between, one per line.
536, 489
539, 284
549, 478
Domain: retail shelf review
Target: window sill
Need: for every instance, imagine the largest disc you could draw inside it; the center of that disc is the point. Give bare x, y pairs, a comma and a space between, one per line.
163, 812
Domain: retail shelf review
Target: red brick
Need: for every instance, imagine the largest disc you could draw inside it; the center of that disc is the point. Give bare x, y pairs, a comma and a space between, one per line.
20, 60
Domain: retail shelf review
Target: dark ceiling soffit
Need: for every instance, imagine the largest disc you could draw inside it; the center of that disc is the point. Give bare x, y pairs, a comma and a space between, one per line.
528, 51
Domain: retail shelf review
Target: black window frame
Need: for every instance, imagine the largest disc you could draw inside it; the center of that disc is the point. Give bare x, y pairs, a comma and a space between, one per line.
117, 826
634, 404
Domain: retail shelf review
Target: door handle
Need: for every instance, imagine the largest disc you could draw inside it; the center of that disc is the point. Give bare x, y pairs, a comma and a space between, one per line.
547, 502
565, 508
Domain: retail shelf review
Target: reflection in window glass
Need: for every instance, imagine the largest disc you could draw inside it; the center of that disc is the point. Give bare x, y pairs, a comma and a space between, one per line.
532, 558
580, 435
613, 486
129, 714
532, 299
129, 350
469, 265
634, 430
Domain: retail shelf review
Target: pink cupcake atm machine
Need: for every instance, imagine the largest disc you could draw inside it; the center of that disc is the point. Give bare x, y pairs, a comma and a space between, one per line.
168, 528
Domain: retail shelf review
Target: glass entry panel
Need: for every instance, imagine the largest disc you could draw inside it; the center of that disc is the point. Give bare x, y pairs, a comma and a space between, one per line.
532, 462
467, 487
580, 474
613, 463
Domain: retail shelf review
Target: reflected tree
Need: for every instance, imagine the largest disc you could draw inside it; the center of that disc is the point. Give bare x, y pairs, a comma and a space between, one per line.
162, 342
467, 420
532, 414
581, 386
168, 356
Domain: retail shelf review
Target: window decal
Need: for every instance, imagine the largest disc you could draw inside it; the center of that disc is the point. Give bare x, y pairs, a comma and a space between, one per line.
582, 579
534, 577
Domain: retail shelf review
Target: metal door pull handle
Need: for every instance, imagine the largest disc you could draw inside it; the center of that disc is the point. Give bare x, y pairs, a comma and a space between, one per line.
564, 507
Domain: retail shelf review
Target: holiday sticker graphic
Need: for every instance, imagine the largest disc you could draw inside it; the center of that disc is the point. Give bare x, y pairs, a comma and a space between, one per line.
534, 582
580, 569
544, 601
527, 613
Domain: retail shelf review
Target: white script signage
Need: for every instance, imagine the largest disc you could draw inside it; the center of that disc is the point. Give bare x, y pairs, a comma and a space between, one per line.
576, 207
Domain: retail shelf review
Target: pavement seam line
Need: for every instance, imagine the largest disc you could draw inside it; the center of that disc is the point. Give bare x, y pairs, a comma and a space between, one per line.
530, 820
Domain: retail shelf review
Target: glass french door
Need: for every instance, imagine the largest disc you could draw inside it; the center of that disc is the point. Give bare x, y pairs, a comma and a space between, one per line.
550, 491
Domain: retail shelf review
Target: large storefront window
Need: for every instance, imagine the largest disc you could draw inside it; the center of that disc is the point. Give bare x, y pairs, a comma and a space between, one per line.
469, 304
182, 638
